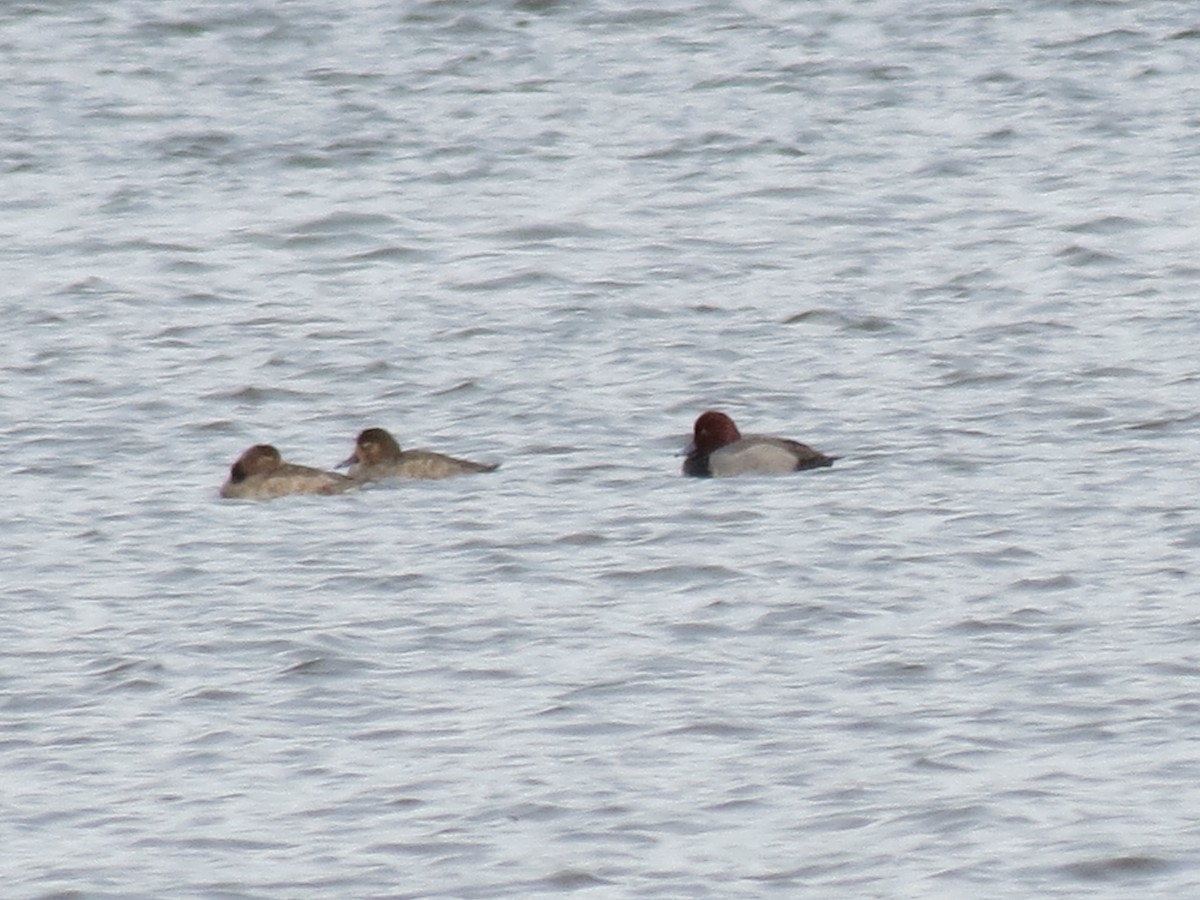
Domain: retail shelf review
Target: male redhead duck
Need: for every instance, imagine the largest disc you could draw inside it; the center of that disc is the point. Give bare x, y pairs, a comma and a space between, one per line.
718, 448
377, 456
261, 474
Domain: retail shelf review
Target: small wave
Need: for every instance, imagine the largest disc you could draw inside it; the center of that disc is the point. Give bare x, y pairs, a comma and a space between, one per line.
1115, 867
681, 575
1104, 225
1077, 255
837, 319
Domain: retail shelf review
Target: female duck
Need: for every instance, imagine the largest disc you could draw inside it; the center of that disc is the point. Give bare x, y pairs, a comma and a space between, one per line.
718, 448
261, 474
377, 456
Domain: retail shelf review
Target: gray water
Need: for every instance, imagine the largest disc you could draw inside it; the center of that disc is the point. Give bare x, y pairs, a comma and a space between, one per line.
952, 243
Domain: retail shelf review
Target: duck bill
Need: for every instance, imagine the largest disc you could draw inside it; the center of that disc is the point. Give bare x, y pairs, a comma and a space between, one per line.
350, 460
688, 450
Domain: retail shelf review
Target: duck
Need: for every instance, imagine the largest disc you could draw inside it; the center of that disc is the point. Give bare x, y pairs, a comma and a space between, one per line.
719, 449
261, 474
377, 456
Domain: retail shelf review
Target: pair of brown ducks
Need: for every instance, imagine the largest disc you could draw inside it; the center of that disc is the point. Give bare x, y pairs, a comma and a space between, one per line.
261, 474
717, 449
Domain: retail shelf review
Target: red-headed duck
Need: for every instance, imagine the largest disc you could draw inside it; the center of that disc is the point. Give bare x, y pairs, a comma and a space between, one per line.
261, 474
719, 449
377, 456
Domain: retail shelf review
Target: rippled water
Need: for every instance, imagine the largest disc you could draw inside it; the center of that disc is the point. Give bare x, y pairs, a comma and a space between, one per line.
953, 244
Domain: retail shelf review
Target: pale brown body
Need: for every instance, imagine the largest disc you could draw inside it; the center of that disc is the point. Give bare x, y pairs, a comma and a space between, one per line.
261, 474
377, 456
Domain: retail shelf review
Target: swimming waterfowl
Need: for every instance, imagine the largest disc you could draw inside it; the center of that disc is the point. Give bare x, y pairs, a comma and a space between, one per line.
719, 449
261, 474
377, 456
